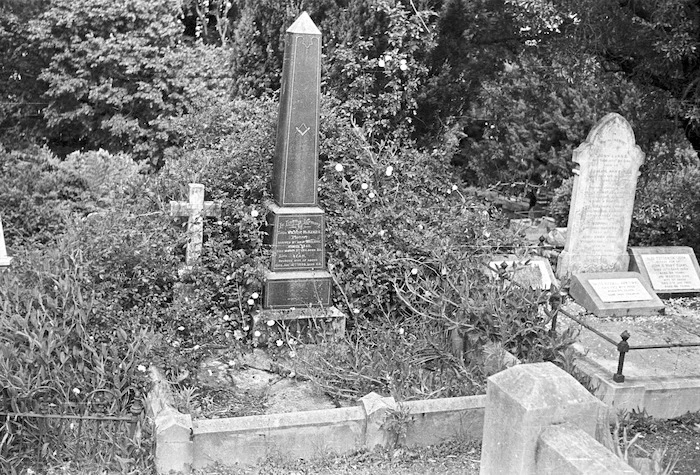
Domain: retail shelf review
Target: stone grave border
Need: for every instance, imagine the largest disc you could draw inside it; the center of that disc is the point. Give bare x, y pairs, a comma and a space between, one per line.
549, 436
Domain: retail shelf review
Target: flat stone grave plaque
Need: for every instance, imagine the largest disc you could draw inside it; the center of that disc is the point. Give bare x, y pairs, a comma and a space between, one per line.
608, 294
533, 272
669, 270
297, 239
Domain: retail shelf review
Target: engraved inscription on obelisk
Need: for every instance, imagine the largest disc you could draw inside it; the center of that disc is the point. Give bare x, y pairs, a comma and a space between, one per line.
296, 154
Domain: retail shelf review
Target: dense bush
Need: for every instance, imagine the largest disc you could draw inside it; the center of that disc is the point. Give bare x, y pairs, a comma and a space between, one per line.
667, 211
37, 197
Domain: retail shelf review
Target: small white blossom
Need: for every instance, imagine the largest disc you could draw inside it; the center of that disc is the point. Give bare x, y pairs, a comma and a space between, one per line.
355, 311
76, 391
254, 213
141, 368
279, 343
364, 186
387, 58
270, 323
254, 295
414, 271
381, 63
257, 333
251, 302
338, 167
381, 233
237, 334
226, 318
176, 344
401, 331
196, 347
371, 195
444, 271
389, 170
231, 363
403, 66
181, 328
454, 187
246, 328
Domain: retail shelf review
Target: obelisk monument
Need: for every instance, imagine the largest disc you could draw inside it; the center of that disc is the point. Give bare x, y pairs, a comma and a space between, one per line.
298, 277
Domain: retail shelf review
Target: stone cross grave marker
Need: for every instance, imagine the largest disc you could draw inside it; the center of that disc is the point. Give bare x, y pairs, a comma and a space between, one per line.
195, 209
298, 277
4, 259
602, 200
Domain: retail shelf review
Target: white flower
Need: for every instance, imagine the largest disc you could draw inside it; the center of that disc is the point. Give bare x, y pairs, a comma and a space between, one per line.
414, 271
254, 295
246, 328
420, 227
76, 391
237, 334
229, 277
454, 187
176, 344
251, 302
254, 213
181, 328
141, 368
371, 195
364, 186
257, 333
355, 311
292, 354
389, 170
403, 66
279, 343
231, 363
195, 347
226, 318
444, 271
387, 58
401, 331
338, 167
270, 323
381, 63
381, 233
486, 234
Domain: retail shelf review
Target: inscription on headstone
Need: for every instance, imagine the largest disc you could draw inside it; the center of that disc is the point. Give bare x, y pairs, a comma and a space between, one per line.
298, 242
602, 200
615, 294
669, 270
619, 290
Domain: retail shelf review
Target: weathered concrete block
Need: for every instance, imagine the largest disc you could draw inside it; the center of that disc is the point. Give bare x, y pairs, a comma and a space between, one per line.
567, 449
377, 409
174, 446
523, 400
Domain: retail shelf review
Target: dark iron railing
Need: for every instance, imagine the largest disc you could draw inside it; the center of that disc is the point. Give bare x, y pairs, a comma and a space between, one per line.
623, 347
53, 431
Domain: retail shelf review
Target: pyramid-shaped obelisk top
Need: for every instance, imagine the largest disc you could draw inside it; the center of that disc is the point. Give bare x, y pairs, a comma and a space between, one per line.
304, 25
295, 167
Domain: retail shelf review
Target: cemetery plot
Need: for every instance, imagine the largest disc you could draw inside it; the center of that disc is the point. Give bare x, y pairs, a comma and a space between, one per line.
195, 209
669, 270
615, 294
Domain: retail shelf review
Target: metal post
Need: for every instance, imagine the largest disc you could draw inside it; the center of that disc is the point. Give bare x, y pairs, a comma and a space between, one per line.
623, 347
